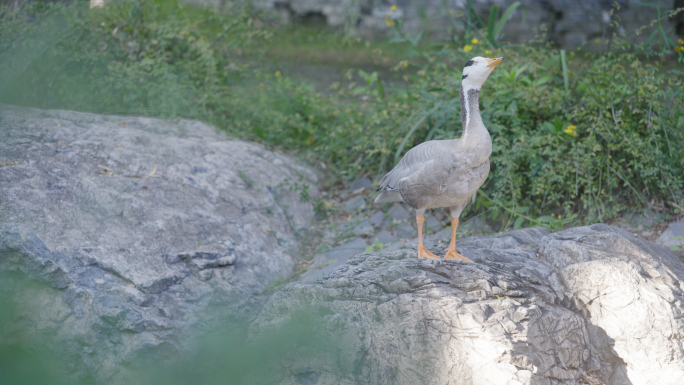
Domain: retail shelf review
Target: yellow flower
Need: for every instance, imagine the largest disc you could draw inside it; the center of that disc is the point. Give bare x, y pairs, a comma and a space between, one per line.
310, 140
570, 130
474, 41
394, 8
389, 22
678, 48
488, 52
277, 74
468, 48
680, 41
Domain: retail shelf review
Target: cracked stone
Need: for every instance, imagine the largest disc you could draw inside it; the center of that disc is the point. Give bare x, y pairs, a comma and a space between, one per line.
385, 237
363, 182
673, 238
399, 212
334, 258
356, 203
377, 218
422, 315
405, 231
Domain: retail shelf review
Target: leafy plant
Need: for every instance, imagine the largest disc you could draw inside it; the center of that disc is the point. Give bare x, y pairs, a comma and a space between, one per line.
677, 247
495, 24
661, 37
375, 246
374, 85
411, 41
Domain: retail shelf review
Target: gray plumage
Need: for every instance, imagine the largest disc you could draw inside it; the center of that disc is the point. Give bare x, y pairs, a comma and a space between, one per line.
443, 173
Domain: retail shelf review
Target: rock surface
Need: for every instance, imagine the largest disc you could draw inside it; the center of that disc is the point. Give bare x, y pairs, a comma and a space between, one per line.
589, 305
673, 238
135, 225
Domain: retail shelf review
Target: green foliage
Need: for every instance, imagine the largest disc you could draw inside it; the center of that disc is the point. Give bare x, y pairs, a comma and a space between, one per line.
297, 186
24, 355
375, 247
374, 85
605, 145
131, 57
495, 24
662, 41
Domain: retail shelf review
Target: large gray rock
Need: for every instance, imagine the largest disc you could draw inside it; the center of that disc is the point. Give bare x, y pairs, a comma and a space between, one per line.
135, 225
589, 305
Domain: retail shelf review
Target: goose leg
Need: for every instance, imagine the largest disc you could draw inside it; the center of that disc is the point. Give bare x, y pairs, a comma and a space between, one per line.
451, 252
422, 251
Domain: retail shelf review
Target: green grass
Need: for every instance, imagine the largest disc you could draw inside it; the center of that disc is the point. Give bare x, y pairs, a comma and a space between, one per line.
232, 69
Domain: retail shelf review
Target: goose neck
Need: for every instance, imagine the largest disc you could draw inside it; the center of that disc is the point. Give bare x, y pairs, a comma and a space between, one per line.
470, 111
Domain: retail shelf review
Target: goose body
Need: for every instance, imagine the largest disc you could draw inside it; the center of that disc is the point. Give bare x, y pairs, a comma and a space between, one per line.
446, 173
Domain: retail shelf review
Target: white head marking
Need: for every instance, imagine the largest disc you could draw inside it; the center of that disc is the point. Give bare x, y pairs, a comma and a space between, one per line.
477, 70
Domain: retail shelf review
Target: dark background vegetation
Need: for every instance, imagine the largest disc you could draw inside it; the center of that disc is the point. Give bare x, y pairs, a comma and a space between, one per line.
241, 71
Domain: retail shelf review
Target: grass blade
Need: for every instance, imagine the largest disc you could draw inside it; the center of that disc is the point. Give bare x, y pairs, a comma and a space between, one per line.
491, 34
471, 13
504, 18
662, 32
564, 65
400, 149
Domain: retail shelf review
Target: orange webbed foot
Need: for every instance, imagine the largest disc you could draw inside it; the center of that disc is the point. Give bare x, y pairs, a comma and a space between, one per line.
424, 253
453, 254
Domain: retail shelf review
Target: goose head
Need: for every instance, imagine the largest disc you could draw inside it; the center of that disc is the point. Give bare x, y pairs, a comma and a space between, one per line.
477, 70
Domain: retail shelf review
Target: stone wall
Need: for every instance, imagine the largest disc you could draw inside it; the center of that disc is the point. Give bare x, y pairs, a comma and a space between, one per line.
567, 23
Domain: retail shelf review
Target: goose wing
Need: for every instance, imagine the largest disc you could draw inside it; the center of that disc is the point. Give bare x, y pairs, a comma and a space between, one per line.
413, 161
427, 164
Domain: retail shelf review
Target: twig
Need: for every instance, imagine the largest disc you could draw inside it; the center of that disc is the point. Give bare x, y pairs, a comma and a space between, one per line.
669, 148
604, 123
576, 171
612, 107
628, 184
564, 67
598, 204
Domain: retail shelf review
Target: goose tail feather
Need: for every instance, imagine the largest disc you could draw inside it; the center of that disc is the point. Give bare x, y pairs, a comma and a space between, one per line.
389, 196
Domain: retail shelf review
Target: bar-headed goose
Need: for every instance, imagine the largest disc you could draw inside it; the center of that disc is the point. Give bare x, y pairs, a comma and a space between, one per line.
446, 173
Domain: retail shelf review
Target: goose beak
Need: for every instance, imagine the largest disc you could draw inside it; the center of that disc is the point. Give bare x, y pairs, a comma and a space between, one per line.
491, 63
